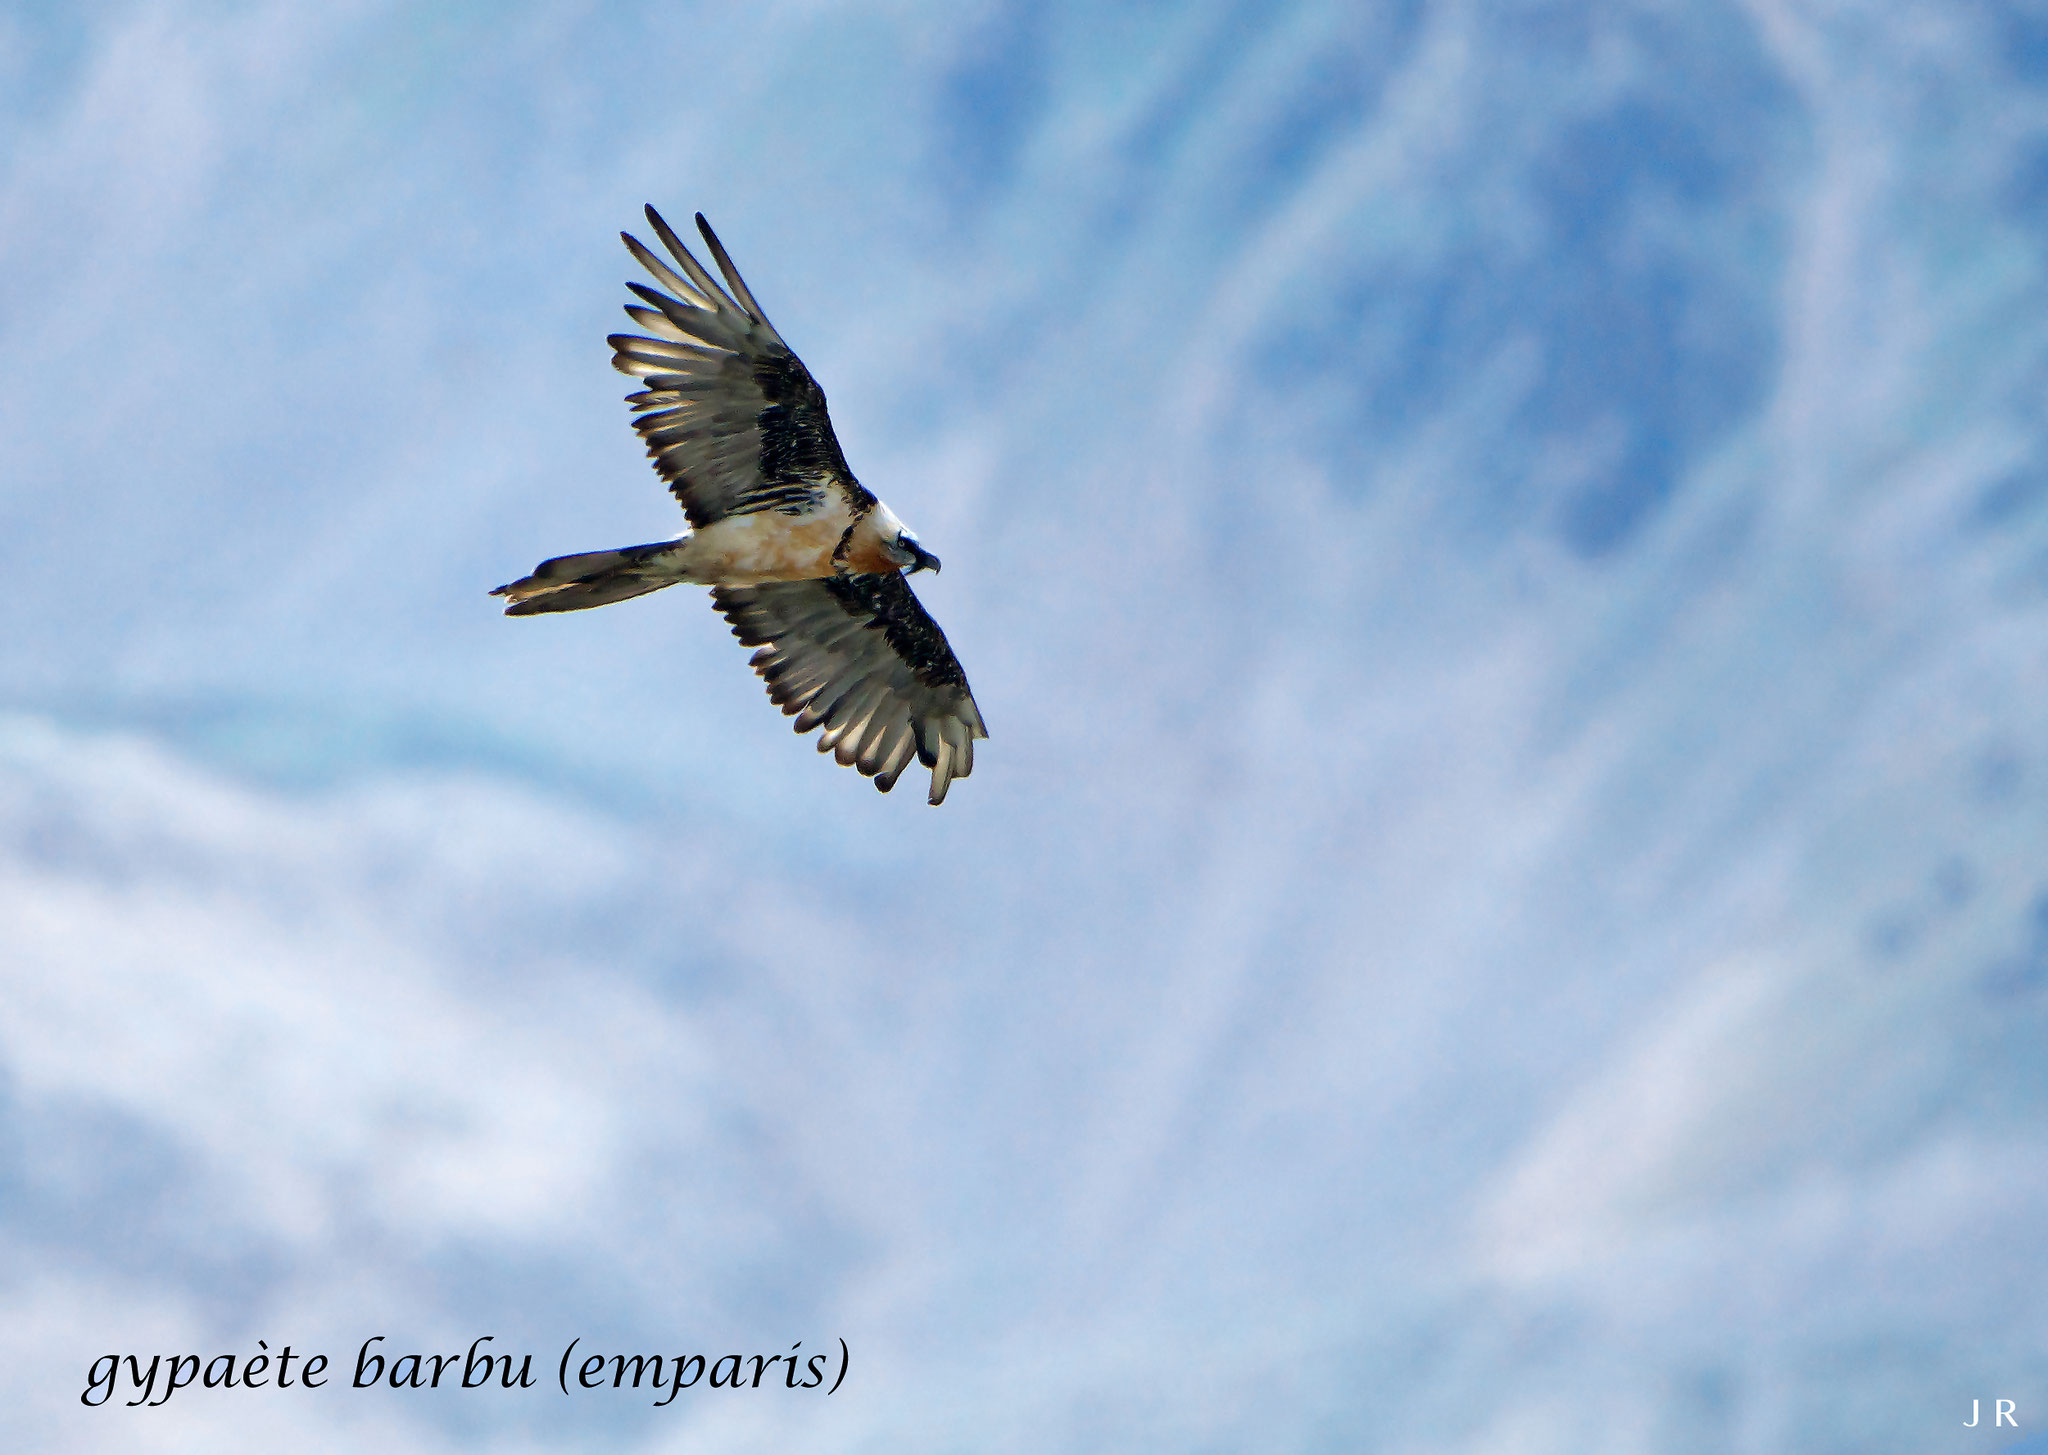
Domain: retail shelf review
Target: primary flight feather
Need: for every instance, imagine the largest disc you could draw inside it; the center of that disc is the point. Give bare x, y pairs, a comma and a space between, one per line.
802, 559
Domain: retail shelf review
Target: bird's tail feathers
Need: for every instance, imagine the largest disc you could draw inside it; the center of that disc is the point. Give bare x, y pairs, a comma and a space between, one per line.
592, 578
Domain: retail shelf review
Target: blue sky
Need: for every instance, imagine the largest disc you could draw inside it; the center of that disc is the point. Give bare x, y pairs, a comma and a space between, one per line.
1502, 549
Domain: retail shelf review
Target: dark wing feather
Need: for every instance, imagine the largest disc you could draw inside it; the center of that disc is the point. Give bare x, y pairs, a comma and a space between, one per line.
732, 419
860, 657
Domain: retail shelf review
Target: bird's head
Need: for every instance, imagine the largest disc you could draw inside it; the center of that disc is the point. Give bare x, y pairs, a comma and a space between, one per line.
906, 552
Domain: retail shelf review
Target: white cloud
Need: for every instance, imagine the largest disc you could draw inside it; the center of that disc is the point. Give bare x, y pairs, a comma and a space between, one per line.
1392, 972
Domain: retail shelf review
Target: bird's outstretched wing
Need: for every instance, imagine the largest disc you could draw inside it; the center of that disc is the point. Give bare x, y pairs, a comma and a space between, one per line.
860, 656
732, 419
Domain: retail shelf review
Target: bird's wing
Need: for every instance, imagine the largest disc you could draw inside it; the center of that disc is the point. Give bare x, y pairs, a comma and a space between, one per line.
732, 419
860, 656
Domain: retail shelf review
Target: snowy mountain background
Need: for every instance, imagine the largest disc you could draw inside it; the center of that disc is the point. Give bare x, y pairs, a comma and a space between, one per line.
1504, 550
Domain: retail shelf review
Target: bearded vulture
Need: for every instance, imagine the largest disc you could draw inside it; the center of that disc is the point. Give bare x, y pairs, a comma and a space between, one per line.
805, 563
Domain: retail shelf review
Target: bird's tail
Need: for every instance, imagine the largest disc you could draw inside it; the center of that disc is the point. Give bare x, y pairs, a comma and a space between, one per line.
594, 578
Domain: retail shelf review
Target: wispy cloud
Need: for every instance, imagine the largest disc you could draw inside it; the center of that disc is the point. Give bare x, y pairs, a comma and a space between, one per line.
1497, 547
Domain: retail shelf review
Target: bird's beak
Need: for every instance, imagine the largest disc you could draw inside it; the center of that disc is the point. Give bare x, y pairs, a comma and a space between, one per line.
924, 559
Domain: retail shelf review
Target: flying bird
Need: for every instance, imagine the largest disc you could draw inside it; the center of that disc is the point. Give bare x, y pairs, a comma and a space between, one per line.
802, 559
